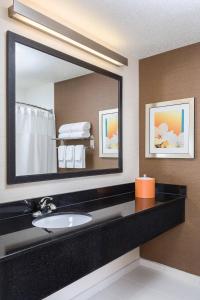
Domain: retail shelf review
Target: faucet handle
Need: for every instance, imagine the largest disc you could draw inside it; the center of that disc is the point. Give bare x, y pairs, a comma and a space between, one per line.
45, 206
43, 201
52, 206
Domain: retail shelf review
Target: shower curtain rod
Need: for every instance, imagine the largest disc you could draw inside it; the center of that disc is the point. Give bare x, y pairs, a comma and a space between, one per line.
49, 110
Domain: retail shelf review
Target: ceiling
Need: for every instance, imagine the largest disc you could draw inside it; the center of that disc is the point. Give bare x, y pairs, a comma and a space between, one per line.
139, 28
131, 27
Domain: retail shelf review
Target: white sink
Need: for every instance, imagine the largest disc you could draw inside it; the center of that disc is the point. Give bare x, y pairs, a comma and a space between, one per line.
61, 220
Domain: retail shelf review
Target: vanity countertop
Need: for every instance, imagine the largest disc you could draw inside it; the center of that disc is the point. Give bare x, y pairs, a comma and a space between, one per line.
18, 235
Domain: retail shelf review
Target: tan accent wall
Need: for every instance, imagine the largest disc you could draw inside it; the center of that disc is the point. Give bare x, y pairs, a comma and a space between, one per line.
168, 76
80, 99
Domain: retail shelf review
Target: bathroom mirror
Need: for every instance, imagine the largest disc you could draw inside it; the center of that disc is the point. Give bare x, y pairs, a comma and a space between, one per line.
64, 116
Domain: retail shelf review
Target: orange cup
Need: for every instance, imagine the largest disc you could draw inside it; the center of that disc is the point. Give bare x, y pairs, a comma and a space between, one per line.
145, 187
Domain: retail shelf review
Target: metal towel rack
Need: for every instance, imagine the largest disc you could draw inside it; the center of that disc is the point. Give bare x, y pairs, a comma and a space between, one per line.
91, 138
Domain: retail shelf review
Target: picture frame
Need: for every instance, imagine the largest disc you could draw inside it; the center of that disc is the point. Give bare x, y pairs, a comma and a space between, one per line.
169, 129
108, 133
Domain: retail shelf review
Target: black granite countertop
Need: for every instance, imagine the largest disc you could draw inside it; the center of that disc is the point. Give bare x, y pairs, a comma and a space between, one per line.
17, 234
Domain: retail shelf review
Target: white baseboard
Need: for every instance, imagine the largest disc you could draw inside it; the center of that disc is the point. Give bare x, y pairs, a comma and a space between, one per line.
108, 281
184, 276
188, 277
98, 280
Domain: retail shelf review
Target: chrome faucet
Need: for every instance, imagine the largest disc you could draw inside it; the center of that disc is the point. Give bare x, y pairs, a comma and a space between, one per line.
45, 206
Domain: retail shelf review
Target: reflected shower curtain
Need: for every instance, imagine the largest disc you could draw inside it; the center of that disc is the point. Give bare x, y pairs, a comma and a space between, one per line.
35, 149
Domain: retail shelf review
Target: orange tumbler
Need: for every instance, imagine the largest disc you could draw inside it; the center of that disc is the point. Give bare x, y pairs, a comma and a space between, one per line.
145, 187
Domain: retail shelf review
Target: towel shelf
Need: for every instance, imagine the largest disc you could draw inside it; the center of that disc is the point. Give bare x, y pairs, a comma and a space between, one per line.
91, 139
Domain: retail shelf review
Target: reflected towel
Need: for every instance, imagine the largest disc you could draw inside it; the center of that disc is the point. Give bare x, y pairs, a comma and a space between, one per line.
69, 156
74, 135
79, 162
71, 127
61, 156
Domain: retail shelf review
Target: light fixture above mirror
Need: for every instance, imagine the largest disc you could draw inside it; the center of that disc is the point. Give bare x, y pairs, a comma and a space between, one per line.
37, 20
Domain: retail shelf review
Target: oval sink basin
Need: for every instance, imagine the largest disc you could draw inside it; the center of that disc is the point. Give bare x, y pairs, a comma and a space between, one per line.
61, 220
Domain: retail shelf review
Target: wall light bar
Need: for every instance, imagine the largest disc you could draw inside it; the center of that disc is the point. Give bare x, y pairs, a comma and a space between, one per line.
35, 19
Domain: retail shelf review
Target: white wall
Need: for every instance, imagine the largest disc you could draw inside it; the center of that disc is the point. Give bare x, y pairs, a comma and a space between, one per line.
20, 94
130, 139
130, 119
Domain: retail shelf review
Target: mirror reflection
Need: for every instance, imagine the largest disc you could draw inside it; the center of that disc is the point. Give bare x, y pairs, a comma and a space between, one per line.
66, 116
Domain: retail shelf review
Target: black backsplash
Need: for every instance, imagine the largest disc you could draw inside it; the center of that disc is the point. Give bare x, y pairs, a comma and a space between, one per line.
17, 208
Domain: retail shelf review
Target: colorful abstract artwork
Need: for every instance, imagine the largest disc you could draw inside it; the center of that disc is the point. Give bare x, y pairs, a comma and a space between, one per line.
170, 129
108, 133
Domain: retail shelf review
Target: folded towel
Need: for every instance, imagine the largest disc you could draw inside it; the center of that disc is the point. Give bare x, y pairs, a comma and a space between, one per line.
74, 135
79, 156
69, 156
71, 127
61, 156
69, 152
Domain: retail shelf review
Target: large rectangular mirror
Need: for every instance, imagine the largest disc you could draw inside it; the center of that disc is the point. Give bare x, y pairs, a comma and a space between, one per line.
64, 115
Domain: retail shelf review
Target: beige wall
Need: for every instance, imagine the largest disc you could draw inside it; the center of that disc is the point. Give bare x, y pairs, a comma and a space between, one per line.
130, 123
80, 99
168, 76
130, 141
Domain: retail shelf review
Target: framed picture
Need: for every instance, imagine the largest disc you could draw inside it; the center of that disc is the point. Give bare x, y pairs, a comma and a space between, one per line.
108, 133
170, 129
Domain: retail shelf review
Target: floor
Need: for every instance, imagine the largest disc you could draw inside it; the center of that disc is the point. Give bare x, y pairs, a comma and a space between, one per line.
144, 283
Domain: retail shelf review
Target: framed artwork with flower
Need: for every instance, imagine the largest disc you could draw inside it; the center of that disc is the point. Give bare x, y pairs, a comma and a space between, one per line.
108, 133
170, 129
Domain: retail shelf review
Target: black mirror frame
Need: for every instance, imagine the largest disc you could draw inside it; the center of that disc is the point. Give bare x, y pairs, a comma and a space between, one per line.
12, 39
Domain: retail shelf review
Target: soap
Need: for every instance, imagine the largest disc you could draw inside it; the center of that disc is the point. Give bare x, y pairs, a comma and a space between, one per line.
145, 187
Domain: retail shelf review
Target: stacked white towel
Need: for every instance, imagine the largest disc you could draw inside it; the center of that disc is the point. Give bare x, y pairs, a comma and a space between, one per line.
79, 162
74, 135
73, 156
75, 130
71, 127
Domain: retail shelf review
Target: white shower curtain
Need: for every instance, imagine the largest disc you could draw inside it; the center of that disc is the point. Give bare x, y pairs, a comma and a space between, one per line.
35, 149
